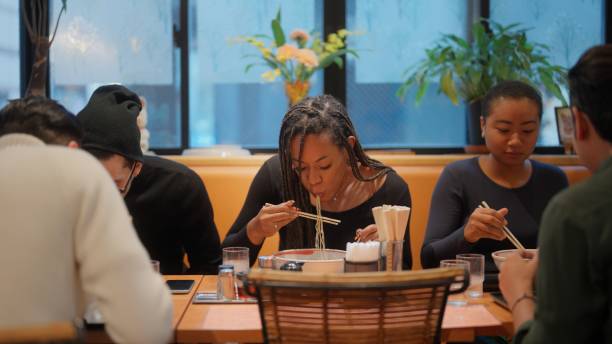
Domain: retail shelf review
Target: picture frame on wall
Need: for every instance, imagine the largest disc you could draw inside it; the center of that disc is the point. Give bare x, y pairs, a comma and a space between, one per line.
565, 128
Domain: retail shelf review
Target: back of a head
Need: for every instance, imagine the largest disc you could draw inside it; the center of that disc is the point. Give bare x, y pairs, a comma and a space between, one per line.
109, 122
513, 89
590, 84
43, 118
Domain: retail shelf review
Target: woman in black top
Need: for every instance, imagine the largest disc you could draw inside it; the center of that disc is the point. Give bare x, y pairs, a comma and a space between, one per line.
319, 155
518, 189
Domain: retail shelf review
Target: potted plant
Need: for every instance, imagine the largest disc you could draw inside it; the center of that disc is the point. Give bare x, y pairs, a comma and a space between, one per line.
296, 61
467, 70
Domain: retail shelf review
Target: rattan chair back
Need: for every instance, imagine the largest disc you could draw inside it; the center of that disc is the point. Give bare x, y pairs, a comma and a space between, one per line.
380, 307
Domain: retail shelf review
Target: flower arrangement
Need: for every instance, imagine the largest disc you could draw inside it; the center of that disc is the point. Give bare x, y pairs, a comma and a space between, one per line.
296, 61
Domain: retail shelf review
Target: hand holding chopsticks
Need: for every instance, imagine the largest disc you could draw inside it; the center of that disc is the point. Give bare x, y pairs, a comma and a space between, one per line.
314, 217
506, 230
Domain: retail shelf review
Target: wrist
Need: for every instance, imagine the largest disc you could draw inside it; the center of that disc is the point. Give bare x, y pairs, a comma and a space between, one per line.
253, 234
467, 237
526, 298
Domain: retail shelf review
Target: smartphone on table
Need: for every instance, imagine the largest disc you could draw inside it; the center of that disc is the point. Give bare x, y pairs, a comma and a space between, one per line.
180, 286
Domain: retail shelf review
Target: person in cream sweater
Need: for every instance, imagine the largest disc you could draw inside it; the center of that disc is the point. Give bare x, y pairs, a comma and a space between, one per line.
65, 233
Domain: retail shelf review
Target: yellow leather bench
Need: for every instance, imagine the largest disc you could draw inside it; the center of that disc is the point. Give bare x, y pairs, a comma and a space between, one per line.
228, 179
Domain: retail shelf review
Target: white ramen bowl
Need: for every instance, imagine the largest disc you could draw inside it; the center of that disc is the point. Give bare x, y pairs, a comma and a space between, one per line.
314, 260
499, 257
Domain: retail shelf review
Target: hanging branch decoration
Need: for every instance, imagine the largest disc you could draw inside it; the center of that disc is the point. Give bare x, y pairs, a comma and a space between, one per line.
37, 27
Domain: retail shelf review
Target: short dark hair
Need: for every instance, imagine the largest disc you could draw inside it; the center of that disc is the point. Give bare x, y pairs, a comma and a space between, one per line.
514, 89
41, 117
590, 87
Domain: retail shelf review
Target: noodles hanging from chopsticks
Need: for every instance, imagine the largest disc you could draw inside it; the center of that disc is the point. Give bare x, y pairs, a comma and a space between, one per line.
320, 235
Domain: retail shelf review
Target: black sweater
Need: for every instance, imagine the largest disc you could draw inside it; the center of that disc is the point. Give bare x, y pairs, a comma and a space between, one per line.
266, 188
461, 188
173, 215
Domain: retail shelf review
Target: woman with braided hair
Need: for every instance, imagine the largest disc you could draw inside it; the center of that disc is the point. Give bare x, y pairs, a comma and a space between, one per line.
319, 156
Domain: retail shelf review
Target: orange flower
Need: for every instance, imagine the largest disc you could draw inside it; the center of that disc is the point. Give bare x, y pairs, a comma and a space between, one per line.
307, 57
286, 52
299, 35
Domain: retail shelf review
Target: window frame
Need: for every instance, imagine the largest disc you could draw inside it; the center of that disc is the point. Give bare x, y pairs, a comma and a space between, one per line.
334, 18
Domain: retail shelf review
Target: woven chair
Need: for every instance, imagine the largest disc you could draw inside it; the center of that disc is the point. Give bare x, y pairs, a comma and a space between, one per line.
378, 307
51, 333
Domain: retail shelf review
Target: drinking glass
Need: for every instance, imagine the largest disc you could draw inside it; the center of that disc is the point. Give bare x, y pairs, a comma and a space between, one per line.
456, 299
476, 273
238, 257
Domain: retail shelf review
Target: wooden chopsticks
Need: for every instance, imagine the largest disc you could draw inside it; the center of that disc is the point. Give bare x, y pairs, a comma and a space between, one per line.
314, 217
507, 231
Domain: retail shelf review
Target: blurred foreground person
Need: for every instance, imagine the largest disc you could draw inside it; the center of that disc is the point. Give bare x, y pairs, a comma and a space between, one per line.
573, 294
65, 234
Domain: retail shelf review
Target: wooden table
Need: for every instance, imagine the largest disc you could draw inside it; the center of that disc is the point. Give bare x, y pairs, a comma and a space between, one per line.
180, 302
216, 323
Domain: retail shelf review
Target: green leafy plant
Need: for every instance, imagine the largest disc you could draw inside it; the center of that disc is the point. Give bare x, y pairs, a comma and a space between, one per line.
467, 70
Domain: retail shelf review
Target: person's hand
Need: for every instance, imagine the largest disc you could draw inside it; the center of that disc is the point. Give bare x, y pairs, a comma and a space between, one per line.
367, 234
485, 223
517, 275
270, 219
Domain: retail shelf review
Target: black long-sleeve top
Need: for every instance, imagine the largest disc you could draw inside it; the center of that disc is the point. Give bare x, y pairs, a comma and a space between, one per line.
458, 192
173, 215
266, 188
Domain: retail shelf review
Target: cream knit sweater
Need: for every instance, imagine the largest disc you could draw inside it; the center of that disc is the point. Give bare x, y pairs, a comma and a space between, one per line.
66, 236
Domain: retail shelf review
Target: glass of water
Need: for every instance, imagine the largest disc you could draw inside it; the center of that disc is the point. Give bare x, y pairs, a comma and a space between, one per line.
456, 299
476, 273
238, 257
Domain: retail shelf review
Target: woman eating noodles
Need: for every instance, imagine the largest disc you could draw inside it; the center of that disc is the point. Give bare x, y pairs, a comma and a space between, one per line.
319, 157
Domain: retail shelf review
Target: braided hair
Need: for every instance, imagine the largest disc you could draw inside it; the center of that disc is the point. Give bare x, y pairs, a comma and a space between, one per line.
314, 116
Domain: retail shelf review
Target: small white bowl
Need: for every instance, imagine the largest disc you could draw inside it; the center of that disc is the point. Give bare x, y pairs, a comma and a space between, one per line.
499, 257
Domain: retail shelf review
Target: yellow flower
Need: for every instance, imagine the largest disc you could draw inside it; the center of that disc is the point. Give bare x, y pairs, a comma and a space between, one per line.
307, 57
343, 33
286, 52
299, 35
330, 48
256, 43
333, 38
265, 52
271, 75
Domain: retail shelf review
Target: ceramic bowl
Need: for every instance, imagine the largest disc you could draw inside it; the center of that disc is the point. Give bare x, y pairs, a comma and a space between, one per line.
314, 260
499, 257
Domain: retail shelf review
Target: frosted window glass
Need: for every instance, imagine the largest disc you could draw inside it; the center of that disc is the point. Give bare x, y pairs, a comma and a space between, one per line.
568, 27
114, 41
394, 36
229, 106
120, 41
9, 50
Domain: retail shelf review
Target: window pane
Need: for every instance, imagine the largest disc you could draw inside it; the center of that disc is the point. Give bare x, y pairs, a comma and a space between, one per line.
395, 36
227, 105
120, 41
9, 50
568, 27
